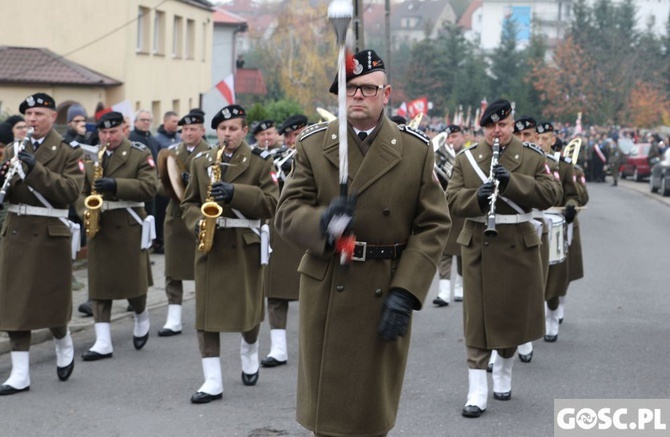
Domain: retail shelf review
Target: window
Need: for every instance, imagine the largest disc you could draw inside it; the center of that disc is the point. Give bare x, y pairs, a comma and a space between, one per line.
175, 106
156, 110
190, 39
178, 37
159, 33
203, 46
143, 29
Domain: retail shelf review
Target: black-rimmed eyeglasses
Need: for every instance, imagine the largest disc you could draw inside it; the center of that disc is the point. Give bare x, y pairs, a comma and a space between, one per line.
366, 90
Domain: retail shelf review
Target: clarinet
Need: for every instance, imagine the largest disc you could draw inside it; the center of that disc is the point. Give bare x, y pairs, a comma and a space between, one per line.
490, 230
14, 165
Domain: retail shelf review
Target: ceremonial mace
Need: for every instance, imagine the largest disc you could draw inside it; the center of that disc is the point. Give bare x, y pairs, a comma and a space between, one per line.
340, 13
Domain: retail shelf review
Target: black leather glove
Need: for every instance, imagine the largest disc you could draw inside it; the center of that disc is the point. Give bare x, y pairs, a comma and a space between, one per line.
222, 191
396, 314
28, 159
338, 218
502, 174
185, 177
105, 185
485, 191
570, 213
286, 166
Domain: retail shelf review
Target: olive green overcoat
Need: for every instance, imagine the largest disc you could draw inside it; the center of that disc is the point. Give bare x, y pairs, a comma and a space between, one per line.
229, 279
349, 379
117, 266
503, 283
35, 255
178, 239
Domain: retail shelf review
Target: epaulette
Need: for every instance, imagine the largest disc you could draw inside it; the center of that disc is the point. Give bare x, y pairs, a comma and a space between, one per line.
203, 153
417, 133
74, 144
550, 156
310, 130
566, 159
532, 146
263, 153
139, 146
173, 146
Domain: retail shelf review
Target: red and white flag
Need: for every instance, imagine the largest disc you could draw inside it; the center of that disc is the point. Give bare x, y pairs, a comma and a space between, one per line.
402, 110
227, 89
415, 107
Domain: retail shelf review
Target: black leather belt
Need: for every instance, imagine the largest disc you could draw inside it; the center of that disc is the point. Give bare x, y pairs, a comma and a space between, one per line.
364, 251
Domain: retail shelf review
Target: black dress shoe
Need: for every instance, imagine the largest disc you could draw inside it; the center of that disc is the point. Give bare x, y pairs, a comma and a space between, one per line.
458, 299
472, 411
249, 379
506, 396
86, 309
9, 390
271, 362
94, 356
165, 332
489, 368
550, 338
560, 321
440, 302
139, 342
204, 398
65, 372
526, 358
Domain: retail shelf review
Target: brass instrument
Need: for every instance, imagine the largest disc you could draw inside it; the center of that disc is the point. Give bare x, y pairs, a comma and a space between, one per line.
170, 170
14, 164
282, 156
490, 230
94, 201
445, 156
210, 210
572, 149
326, 115
416, 121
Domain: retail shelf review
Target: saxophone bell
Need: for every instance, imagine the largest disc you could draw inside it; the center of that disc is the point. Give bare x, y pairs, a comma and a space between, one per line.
210, 210
94, 201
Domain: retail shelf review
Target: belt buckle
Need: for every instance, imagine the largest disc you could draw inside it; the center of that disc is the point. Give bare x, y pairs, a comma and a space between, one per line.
364, 245
23, 209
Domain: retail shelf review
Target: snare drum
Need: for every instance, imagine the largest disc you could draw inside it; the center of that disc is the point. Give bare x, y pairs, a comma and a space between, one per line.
558, 248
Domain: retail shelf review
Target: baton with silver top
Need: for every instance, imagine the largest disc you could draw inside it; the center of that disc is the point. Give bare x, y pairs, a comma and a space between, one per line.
15, 162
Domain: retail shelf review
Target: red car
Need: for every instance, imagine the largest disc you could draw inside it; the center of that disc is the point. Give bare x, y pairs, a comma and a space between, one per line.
636, 164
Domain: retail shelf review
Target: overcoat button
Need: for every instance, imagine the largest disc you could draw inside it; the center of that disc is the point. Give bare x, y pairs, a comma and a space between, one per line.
14, 232
378, 292
486, 243
340, 288
387, 211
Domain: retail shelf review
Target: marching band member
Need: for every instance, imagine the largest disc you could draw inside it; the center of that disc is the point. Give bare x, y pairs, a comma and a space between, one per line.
118, 259
266, 135
558, 278
502, 274
449, 267
355, 321
228, 278
283, 281
179, 241
36, 237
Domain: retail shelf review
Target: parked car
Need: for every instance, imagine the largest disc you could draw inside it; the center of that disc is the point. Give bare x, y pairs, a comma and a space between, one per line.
659, 181
637, 164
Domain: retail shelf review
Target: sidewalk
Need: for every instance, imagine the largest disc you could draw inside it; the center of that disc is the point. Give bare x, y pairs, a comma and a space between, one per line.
155, 298
640, 187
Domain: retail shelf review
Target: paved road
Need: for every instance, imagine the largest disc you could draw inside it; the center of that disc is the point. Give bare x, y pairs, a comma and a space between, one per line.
613, 344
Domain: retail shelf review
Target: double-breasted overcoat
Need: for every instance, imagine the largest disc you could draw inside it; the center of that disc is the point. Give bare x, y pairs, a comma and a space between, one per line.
117, 266
503, 283
349, 379
35, 256
229, 278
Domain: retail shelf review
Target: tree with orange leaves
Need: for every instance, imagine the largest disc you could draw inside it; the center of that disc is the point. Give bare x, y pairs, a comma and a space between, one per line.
647, 105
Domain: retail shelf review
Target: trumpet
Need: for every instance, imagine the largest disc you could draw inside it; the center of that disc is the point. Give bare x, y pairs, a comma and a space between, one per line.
444, 158
210, 210
490, 230
282, 157
14, 164
94, 201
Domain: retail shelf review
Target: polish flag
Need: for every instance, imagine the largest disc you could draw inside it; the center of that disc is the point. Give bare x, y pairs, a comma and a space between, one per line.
402, 110
417, 106
122, 107
227, 89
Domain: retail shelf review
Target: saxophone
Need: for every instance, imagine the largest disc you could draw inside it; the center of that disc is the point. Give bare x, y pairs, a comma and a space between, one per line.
210, 209
93, 202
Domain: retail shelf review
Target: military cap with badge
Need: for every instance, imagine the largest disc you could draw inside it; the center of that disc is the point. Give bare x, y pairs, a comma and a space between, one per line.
496, 111
453, 129
193, 117
524, 122
544, 127
293, 123
38, 100
110, 120
229, 112
263, 125
360, 64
